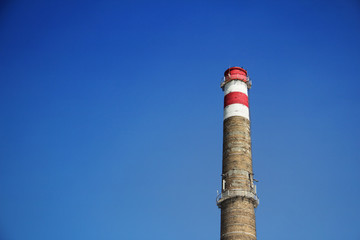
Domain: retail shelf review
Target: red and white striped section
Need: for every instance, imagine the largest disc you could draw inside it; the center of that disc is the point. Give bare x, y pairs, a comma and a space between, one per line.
236, 101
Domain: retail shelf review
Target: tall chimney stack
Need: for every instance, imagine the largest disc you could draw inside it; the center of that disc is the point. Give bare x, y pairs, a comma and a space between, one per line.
238, 198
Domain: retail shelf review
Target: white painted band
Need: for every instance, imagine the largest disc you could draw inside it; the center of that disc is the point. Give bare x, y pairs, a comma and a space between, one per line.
236, 109
236, 86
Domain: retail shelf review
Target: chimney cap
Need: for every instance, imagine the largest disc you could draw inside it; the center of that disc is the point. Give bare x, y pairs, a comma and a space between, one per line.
235, 71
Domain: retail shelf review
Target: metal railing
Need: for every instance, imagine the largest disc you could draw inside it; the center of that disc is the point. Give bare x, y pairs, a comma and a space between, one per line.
243, 78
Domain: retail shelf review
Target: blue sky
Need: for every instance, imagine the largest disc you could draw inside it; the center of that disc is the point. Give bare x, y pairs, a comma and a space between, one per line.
111, 124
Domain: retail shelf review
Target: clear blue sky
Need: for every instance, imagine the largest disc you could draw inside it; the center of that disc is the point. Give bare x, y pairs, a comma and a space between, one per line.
111, 117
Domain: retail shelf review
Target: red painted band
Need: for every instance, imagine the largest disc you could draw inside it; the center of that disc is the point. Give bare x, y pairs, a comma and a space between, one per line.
236, 97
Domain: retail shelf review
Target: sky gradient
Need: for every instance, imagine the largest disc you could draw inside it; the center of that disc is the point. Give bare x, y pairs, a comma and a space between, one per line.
111, 117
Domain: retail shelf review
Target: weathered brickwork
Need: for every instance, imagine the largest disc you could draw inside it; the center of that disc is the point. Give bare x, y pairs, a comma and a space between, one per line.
237, 219
237, 153
237, 212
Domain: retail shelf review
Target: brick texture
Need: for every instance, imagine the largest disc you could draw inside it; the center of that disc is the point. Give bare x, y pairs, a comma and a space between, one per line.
237, 213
